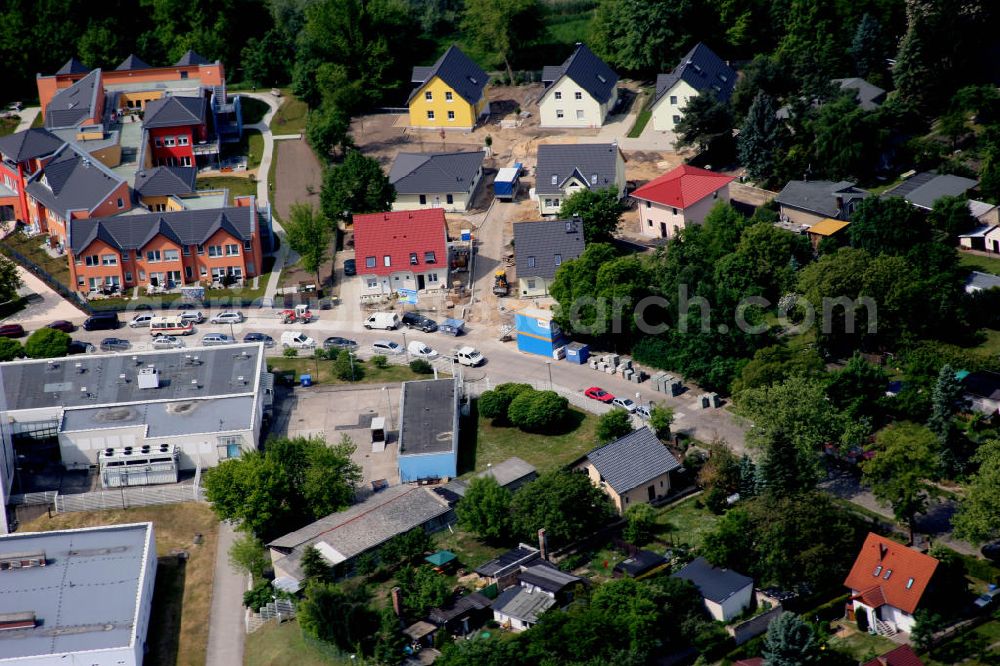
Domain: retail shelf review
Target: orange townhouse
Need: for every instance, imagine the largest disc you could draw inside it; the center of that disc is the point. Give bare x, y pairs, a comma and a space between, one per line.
21, 156
165, 250
73, 185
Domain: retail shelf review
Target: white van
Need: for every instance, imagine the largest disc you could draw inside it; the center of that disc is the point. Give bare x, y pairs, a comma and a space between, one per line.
170, 326
469, 356
385, 320
296, 340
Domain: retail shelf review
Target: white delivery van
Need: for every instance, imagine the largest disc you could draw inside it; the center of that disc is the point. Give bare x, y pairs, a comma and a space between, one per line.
296, 340
469, 356
385, 320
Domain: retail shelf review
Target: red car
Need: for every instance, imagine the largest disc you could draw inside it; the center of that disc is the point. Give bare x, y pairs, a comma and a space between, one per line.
597, 393
62, 325
11, 331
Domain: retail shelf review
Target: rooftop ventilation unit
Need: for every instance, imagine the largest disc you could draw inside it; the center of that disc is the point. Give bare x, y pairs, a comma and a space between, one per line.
22, 560
148, 378
195, 385
22, 620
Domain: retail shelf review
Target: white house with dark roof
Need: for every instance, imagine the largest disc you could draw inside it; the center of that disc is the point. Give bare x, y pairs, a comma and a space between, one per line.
808, 202
633, 469
581, 92
436, 180
541, 586
564, 168
540, 248
725, 592
699, 72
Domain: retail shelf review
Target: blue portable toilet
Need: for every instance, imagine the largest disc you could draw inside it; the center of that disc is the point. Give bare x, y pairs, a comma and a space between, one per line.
577, 353
537, 333
306, 380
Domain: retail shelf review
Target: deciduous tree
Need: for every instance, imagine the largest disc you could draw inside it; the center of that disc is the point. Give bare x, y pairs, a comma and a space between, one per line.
641, 524
308, 233
247, 554
660, 420
357, 186
493, 404
639, 37
485, 509
707, 124
502, 28
565, 503
613, 425
601, 211
47, 343
978, 517
538, 411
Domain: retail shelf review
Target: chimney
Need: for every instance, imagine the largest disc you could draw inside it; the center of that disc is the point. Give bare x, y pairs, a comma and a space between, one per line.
543, 544
397, 601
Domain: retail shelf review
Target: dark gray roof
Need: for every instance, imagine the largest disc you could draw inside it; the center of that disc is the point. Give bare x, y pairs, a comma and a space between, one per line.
73, 66
518, 603
870, 96
632, 460
428, 417
458, 607
174, 112
72, 180
538, 243
641, 562
29, 144
703, 70
546, 576
184, 227
506, 562
585, 70
191, 58
426, 173
130, 63
506, 473
582, 160
714, 584
983, 384
85, 598
456, 69
163, 181
38, 384
818, 196
71, 105
923, 189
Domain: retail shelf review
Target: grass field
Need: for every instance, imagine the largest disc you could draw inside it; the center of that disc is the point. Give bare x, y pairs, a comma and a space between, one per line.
471, 551
8, 125
32, 249
182, 600
237, 186
323, 371
291, 115
642, 119
860, 646
490, 444
975, 262
253, 110
283, 644
685, 522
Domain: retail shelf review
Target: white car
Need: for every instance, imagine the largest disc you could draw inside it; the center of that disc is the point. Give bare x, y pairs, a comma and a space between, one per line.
643, 411
387, 347
228, 318
469, 356
167, 342
216, 339
296, 340
625, 404
420, 350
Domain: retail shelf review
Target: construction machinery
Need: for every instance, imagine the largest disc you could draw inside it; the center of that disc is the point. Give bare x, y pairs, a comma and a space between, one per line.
500, 285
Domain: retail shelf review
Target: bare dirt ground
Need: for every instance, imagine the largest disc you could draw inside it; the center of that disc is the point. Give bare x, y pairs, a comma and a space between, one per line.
298, 175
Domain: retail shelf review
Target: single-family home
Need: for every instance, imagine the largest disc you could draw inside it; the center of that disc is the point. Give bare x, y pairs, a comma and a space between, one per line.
700, 72
923, 189
401, 250
982, 391
632, 469
808, 202
540, 248
680, 198
428, 430
565, 168
463, 614
450, 94
901, 656
22, 154
503, 569
979, 281
887, 583
581, 92
725, 592
869, 96
178, 131
436, 180
540, 586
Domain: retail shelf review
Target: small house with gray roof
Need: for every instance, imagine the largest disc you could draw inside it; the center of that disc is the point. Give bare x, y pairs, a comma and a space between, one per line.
450, 94
82, 103
565, 168
541, 586
581, 92
923, 189
725, 592
633, 469
808, 202
436, 180
540, 248
700, 72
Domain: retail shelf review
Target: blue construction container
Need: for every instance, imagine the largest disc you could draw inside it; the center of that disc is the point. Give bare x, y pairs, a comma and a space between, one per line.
505, 184
306, 380
537, 333
577, 353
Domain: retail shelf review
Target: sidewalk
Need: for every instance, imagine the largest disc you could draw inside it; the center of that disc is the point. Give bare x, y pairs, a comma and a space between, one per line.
226, 632
28, 115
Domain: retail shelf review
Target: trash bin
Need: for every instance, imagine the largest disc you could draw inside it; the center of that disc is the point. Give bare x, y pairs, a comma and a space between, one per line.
306, 380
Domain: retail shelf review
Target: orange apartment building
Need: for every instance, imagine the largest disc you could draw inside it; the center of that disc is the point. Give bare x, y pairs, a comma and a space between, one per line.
166, 249
22, 155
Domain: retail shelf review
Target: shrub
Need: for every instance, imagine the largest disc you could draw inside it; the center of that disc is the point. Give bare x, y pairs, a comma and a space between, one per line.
332, 354
10, 349
47, 343
259, 596
290, 353
319, 354
641, 524
613, 425
380, 361
348, 368
421, 366
538, 411
493, 404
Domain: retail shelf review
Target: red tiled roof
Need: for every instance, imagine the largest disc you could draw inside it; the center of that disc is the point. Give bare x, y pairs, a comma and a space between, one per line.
901, 656
879, 557
398, 235
872, 597
682, 187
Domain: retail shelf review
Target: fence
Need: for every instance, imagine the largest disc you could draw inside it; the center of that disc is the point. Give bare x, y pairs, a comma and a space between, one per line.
33, 499
45, 277
123, 498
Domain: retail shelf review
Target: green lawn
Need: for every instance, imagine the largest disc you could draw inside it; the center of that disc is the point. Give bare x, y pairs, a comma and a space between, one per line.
291, 115
323, 373
568, 28
974, 262
972, 648
991, 342
490, 444
8, 125
32, 249
643, 118
251, 145
860, 646
471, 551
237, 186
253, 110
282, 644
686, 523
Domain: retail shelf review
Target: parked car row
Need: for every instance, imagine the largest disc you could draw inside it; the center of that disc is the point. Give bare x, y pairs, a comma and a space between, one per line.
599, 394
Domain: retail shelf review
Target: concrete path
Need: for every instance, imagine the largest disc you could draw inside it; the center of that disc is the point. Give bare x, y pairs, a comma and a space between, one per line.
226, 631
51, 307
28, 115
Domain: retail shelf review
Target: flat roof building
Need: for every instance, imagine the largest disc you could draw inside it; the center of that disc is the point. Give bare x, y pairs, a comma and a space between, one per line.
428, 433
78, 596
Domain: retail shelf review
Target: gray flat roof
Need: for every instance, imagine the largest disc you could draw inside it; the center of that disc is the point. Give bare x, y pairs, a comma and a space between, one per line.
37, 384
429, 420
165, 419
84, 598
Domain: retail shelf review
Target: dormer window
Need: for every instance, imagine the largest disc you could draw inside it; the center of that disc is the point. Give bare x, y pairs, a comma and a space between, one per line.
531, 262
430, 257
888, 572
558, 259
555, 179
593, 179
877, 571
413, 258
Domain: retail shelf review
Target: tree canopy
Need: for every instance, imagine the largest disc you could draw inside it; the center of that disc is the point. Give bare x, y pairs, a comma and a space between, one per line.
358, 185
47, 343
600, 210
978, 517
309, 235
485, 509
565, 503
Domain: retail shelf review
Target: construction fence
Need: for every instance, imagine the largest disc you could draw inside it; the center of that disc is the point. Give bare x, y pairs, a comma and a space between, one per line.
124, 498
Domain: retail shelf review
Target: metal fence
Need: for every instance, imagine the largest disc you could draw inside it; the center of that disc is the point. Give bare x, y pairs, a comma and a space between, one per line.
123, 498
33, 499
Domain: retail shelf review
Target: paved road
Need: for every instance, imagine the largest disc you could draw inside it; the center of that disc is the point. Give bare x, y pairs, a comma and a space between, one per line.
226, 631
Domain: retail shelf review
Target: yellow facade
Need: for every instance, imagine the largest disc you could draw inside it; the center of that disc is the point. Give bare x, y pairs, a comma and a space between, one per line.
464, 115
138, 99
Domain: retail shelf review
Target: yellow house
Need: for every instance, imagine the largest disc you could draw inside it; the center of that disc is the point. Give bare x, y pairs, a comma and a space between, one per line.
451, 93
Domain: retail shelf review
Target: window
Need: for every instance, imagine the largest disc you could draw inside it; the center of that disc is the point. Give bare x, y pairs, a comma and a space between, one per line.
92, 260
430, 257
888, 572
183, 140
423, 199
201, 249
184, 75
250, 268
531, 262
579, 114
232, 250
451, 115
578, 95
673, 99
558, 259
185, 161
593, 179
186, 250
372, 283
531, 284
558, 95
555, 179
559, 113
158, 141
203, 271
723, 77
170, 255
675, 211
715, 194
169, 141
247, 245
548, 203
109, 260
877, 571
153, 256
413, 259
215, 250
386, 260
429, 96
555, 202
121, 202
649, 222
430, 115
449, 198
128, 277
369, 262
909, 583
448, 97
188, 272
677, 119
142, 275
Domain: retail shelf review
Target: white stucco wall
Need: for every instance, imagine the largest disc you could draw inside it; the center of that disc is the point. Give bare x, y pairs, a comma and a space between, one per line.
379, 285
901, 620
583, 112
665, 110
656, 218
80, 448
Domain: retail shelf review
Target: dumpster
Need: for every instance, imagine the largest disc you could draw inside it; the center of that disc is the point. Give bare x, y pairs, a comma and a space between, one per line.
306, 380
577, 353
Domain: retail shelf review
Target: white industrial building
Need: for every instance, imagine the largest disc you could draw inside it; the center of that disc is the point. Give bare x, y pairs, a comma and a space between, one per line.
77, 596
136, 418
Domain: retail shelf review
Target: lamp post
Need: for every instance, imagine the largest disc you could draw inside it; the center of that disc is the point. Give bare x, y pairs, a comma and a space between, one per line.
405, 348
548, 364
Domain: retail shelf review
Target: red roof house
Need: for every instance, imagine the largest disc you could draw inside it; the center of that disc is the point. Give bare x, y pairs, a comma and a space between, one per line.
887, 582
901, 656
678, 199
401, 250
